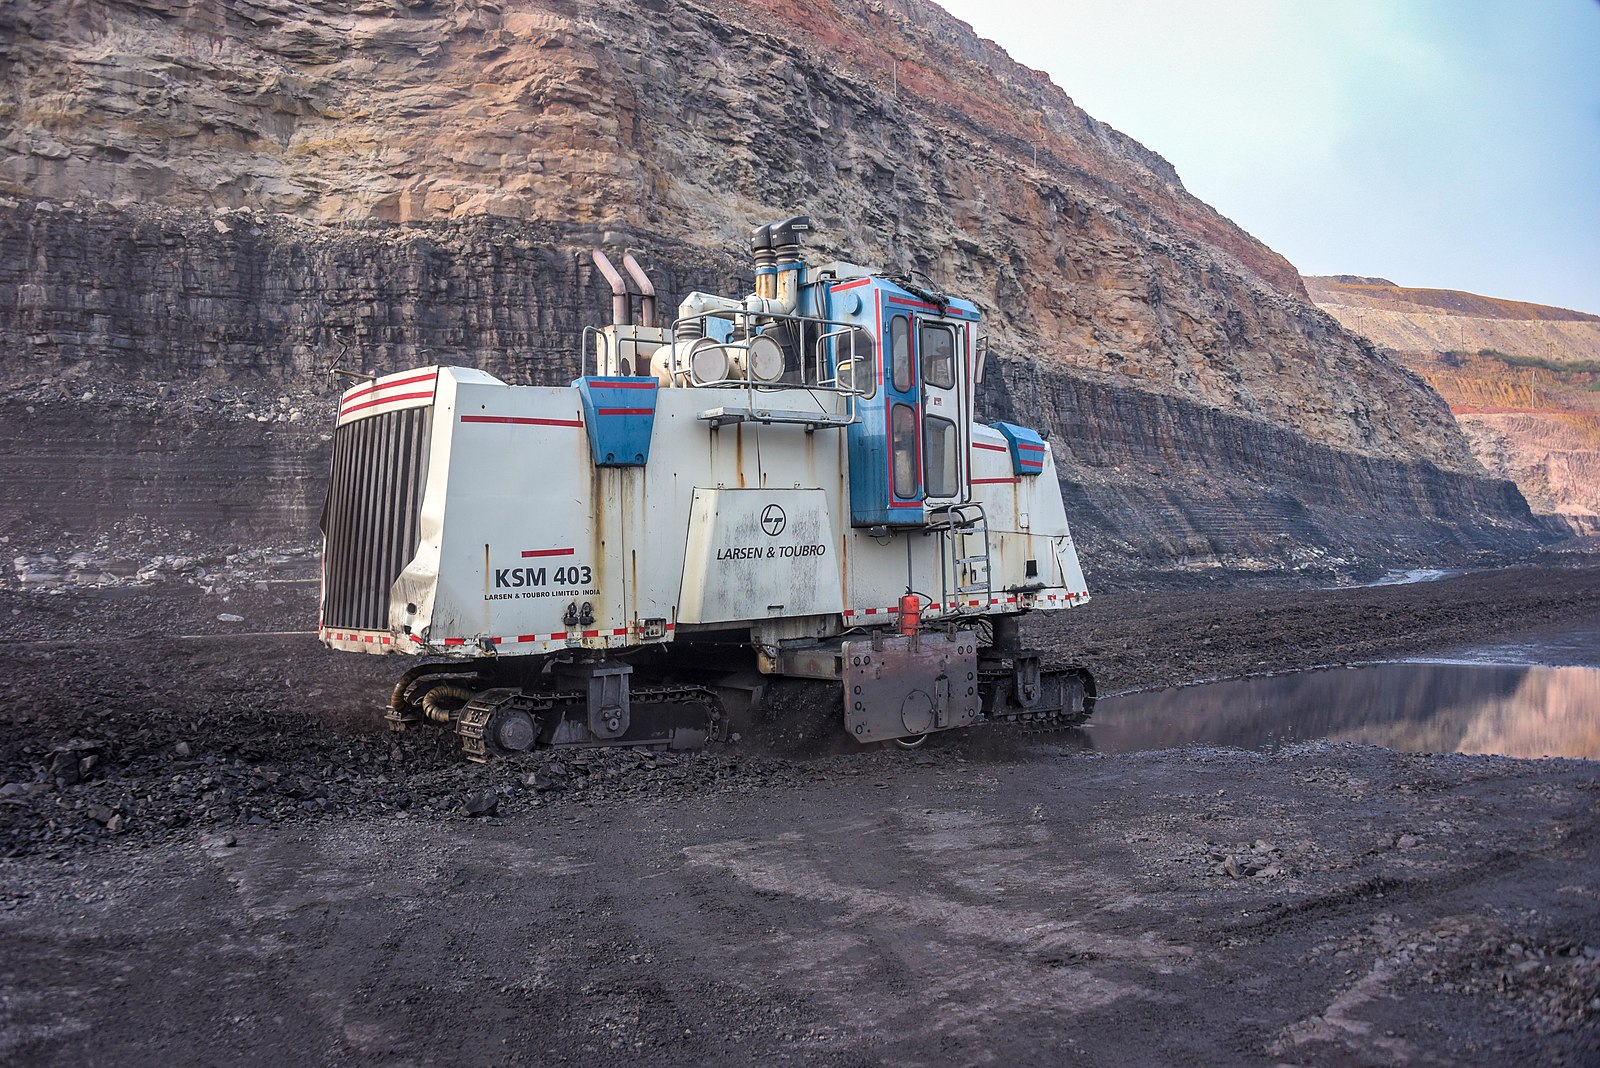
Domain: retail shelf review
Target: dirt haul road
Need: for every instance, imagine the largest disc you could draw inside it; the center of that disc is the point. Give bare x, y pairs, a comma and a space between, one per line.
214, 854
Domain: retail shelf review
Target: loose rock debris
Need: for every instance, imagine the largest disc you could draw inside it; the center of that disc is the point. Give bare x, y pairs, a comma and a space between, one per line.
199, 803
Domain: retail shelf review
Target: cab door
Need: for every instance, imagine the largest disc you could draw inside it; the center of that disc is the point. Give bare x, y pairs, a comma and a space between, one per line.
909, 452
902, 390
941, 350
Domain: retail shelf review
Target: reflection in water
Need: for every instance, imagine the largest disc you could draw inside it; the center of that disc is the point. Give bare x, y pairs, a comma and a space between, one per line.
1423, 708
1568, 647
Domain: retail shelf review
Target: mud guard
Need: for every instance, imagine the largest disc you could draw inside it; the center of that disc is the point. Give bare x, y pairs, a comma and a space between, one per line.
905, 686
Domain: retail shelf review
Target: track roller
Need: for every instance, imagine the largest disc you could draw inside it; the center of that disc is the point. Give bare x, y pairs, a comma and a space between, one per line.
496, 722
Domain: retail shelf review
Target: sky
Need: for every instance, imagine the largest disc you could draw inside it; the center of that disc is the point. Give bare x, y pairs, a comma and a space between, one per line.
1446, 144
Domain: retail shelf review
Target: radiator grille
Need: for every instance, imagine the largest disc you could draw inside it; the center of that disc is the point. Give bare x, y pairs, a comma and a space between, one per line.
370, 521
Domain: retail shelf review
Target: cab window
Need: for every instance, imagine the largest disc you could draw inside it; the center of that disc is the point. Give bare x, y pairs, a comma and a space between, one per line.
903, 450
941, 463
856, 362
938, 344
900, 353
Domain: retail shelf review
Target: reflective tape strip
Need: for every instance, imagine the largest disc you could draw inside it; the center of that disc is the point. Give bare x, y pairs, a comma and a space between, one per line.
516, 420
378, 387
396, 399
361, 638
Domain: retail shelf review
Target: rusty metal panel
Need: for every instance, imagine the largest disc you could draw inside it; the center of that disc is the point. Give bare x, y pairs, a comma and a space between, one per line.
903, 686
756, 554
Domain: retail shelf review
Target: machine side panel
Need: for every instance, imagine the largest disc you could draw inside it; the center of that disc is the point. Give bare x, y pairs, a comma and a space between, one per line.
756, 554
1036, 553
687, 454
1033, 564
521, 545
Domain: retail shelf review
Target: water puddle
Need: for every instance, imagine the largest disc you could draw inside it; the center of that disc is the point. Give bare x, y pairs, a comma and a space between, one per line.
1535, 697
1568, 647
1416, 574
1403, 578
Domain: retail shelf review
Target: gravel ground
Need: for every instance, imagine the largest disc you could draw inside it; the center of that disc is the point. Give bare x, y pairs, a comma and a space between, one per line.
1141, 640
214, 852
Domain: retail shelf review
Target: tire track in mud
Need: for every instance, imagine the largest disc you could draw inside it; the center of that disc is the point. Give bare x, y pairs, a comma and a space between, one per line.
1399, 890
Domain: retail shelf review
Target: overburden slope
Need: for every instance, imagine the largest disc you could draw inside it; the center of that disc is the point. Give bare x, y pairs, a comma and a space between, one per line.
1523, 380
208, 203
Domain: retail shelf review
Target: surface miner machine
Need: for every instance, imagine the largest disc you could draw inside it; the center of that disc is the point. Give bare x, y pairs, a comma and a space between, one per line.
784, 486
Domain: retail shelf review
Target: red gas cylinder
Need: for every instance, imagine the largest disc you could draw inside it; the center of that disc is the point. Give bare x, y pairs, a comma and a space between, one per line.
910, 613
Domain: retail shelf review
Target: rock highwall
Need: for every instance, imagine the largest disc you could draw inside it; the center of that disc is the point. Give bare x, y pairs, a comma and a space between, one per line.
918, 148
1420, 331
177, 389
1155, 482
228, 197
1512, 373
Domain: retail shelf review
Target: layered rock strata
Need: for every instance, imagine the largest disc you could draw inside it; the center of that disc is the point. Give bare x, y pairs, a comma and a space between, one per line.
246, 193
1523, 380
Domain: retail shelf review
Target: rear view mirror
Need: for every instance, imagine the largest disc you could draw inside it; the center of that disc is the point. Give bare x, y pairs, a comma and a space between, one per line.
981, 358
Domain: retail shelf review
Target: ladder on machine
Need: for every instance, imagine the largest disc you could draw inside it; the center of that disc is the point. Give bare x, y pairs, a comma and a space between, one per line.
964, 574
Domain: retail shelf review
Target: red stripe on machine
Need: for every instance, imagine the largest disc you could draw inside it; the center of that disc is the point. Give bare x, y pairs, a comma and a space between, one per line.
528, 554
591, 634
625, 411
426, 376
455, 641
396, 399
515, 420
991, 481
986, 445
649, 384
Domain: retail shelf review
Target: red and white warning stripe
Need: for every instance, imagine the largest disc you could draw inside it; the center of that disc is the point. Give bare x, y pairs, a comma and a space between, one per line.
380, 638
404, 389
858, 614
361, 637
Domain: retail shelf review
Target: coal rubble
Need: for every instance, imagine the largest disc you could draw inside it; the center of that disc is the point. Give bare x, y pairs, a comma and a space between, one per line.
81, 792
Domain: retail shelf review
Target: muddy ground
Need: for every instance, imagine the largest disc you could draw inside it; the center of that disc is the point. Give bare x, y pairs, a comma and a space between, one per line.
213, 852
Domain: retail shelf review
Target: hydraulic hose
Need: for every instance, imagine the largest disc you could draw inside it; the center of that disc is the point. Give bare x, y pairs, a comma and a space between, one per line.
399, 706
443, 702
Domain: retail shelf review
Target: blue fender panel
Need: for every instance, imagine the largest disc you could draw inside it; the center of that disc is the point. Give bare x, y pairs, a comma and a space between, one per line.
620, 414
1026, 447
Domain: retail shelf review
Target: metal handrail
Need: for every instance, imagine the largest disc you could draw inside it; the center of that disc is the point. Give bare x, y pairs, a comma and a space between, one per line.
604, 343
813, 376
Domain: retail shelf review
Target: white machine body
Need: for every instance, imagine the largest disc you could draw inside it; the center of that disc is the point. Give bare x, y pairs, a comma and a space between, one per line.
781, 472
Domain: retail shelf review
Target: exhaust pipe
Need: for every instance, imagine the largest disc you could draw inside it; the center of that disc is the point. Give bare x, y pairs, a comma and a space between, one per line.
779, 263
766, 274
647, 305
621, 314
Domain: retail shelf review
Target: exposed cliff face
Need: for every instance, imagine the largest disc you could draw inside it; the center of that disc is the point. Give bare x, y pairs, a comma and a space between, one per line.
1522, 379
257, 187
